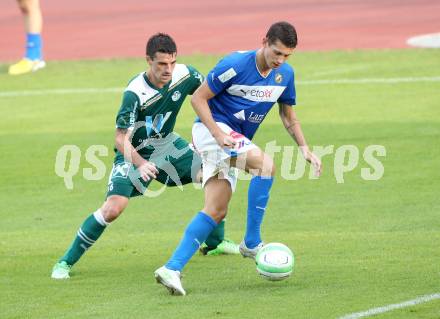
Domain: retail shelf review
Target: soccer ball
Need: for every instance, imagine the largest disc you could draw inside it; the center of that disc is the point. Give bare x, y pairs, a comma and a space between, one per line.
275, 261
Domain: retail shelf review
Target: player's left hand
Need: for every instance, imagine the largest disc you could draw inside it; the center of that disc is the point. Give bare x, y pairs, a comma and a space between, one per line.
148, 171
313, 160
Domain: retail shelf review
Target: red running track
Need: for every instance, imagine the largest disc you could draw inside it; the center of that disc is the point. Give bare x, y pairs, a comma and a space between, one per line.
105, 29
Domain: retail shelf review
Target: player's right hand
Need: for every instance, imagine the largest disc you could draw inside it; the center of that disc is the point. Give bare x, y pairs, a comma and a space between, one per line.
225, 140
148, 171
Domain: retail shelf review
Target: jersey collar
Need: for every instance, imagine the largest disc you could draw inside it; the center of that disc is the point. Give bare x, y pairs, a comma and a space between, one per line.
256, 66
164, 88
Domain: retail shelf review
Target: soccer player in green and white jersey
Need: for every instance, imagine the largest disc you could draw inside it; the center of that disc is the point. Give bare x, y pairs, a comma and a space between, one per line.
147, 148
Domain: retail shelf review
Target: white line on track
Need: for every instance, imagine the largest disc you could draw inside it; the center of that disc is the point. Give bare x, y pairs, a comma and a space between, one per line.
305, 82
379, 310
425, 41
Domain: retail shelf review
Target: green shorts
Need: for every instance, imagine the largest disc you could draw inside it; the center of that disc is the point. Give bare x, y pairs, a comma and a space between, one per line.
176, 162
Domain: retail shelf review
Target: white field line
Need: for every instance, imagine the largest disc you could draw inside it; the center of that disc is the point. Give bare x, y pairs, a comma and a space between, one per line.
305, 82
379, 310
372, 80
61, 91
333, 71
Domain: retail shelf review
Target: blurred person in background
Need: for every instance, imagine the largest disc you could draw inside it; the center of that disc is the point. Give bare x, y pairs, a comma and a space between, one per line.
33, 22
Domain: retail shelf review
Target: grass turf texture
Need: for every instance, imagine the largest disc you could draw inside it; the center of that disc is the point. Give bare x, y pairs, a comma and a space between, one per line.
358, 245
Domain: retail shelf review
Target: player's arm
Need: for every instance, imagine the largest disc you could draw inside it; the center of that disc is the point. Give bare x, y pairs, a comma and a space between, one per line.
293, 126
147, 169
124, 130
199, 101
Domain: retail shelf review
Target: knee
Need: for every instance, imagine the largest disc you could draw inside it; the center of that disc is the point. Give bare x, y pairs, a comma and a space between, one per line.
27, 6
217, 212
111, 211
221, 214
269, 168
272, 169
24, 6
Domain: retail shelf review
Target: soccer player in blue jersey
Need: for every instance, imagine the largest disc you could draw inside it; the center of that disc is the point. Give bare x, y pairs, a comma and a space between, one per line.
231, 104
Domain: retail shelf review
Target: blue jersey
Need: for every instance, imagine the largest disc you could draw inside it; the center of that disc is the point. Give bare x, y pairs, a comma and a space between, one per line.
243, 97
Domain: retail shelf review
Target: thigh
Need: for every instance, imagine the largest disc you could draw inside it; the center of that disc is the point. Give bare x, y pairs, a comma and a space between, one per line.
177, 163
255, 162
187, 167
216, 161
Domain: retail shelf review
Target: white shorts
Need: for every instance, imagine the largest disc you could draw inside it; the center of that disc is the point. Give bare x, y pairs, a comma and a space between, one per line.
216, 159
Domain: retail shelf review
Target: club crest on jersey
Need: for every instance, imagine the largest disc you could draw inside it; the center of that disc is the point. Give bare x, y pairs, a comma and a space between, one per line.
176, 95
278, 78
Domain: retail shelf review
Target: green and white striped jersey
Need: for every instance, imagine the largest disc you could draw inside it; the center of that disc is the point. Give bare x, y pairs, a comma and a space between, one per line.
151, 112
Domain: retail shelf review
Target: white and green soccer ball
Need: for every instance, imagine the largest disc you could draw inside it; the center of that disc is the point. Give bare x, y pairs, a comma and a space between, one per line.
275, 261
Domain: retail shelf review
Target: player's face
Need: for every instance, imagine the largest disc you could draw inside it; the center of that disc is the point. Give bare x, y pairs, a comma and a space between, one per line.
276, 53
161, 68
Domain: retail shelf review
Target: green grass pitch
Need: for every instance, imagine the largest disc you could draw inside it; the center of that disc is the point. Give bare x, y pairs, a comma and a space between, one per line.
358, 245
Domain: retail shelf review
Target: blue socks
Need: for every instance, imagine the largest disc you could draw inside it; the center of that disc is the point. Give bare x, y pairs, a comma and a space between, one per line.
202, 224
195, 234
258, 196
33, 46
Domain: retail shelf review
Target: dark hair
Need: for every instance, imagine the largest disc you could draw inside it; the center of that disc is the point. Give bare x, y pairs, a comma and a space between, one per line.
283, 31
160, 42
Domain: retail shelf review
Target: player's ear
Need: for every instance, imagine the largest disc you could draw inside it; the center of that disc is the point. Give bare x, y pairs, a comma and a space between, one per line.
149, 59
265, 42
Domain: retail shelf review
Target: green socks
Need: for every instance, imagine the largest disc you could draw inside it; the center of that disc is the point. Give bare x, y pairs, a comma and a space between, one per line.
86, 236
94, 226
216, 236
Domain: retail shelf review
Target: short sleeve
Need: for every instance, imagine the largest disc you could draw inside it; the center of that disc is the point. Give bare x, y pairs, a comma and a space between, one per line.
289, 95
220, 77
126, 116
196, 79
